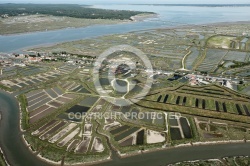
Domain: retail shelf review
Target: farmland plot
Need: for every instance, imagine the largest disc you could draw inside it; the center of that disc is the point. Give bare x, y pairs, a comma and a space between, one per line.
71, 96
36, 100
97, 145
39, 104
212, 59
189, 61
8, 83
125, 109
185, 127
83, 146
145, 117
58, 91
44, 127
127, 133
66, 69
155, 137
63, 99
175, 64
220, 41
41, 115
30, 82
87, 128
140, 137
236, 56
73, 145
175, 133
32, 93
36, 81
8, 71
79, 89
55, 104
78, 109
159, 120
66, 85
30, 96
69, 137
63, 132
119, 129
30, 70
67, 117
173, 122
89, 101
51, 93
39, 110
128, 142
52, 130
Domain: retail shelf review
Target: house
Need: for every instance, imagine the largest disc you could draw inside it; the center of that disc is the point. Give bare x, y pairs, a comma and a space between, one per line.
34, 59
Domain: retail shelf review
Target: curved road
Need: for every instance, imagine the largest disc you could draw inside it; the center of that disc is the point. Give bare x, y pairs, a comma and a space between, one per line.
18, 154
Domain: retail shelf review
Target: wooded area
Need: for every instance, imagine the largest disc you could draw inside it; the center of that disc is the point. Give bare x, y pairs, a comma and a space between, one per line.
69, 10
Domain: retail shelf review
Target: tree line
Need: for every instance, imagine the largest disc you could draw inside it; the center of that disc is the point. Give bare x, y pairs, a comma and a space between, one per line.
76, 11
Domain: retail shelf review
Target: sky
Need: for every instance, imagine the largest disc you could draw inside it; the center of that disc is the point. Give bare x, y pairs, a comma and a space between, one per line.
131, 1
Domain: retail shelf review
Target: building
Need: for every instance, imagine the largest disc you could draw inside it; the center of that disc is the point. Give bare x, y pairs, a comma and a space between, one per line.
34, 59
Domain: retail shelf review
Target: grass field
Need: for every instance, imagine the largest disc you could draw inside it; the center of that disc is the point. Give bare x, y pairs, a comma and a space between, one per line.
220, 41
32, 23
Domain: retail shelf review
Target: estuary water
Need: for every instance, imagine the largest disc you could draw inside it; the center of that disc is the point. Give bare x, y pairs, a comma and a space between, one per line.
168, 16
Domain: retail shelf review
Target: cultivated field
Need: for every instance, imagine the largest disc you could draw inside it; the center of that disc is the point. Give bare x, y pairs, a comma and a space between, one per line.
212, 59
42, 103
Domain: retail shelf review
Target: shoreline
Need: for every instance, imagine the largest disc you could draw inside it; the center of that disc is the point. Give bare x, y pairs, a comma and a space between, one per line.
4, 158
41, 31
124, 155
136, 18
27, 33
29, 49
142, 17
26, 49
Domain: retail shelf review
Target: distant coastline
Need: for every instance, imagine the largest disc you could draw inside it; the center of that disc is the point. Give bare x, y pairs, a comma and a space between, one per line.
198, 5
